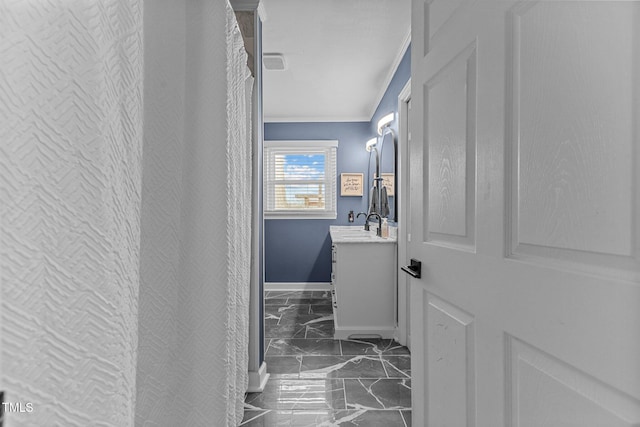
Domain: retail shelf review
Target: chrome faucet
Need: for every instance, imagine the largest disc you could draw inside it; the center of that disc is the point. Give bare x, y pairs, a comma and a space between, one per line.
366, 223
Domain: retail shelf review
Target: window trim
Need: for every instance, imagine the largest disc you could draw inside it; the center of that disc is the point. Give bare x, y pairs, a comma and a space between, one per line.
327, 147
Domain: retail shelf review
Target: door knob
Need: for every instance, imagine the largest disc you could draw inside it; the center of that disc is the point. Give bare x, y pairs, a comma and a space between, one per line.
414, 269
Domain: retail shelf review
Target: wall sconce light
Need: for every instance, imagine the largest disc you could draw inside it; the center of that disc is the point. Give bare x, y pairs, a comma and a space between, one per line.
385, 121
371, 144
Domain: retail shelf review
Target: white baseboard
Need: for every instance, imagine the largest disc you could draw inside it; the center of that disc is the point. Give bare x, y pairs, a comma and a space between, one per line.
297, 286
353, 332
258, 380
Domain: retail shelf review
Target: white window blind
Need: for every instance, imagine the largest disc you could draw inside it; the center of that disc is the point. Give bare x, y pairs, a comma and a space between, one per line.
300, 179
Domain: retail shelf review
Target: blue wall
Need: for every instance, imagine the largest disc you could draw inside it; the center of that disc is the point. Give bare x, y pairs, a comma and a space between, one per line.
299, 250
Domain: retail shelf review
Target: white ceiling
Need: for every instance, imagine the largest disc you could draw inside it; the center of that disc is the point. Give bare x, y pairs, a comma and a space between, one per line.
340, 57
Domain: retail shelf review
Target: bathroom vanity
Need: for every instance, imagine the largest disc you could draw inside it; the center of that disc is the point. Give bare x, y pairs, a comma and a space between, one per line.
363, 283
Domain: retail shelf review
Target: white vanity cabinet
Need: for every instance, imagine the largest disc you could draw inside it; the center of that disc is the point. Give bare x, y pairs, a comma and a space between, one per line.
363, 284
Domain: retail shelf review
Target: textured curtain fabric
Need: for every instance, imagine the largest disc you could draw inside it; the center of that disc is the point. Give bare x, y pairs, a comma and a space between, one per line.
70, 186
196, 210
239, 202
125, 207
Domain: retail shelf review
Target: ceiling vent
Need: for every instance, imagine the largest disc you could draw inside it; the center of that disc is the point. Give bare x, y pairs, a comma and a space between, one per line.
273, 61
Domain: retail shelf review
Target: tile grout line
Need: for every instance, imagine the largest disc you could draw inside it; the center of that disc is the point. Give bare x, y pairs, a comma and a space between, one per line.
384, 367
344, 390
404, 421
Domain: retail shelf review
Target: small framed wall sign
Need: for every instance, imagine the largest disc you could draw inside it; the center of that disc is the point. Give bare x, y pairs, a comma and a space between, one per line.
351, 184
388, 181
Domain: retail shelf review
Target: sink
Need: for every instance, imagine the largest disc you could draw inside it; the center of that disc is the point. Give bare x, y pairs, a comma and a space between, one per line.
353, 235
362, 236
356, 234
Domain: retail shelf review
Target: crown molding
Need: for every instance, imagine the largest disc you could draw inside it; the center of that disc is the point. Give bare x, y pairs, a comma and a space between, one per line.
250, 6
392, 71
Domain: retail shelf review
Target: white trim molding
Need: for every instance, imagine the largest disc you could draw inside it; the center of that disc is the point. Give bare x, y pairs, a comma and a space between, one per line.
258, 379
392, 71
404, 328
319, 119
275, 176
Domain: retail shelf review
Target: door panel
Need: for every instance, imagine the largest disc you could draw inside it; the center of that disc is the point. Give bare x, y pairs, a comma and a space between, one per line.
449, 123
524, 211
450, 339
574, 135
544, 388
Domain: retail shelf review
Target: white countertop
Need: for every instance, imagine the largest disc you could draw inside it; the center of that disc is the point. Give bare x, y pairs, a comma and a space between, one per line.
357, 234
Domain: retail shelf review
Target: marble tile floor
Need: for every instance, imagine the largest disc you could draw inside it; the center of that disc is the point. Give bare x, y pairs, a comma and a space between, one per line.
318, 381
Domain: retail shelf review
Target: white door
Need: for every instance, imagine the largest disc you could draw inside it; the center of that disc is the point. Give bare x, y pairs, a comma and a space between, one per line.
525, 213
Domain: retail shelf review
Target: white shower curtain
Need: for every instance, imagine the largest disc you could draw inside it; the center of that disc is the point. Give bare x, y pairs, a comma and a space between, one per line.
239, 202
70, 185
106, 242
196, 205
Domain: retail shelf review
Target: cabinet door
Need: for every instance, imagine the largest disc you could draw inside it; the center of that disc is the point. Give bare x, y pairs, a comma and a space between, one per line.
366, 288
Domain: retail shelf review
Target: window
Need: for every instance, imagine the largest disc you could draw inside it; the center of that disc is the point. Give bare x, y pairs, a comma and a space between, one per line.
300, 179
